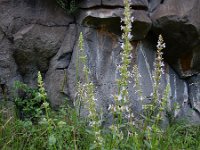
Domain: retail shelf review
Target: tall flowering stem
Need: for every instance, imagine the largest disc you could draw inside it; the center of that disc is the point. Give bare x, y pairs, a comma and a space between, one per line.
121, 100
152, 110
83, 58
137, 84
126, 46
158, 69
120, 109
86, 94
42, 94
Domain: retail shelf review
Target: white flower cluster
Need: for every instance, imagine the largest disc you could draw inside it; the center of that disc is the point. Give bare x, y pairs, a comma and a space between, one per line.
161, 45
159, 64
137, 86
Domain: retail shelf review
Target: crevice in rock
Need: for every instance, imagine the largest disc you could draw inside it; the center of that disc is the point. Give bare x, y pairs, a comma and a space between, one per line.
54, 25
3, 90
73, 47
104, 23
135, 7
190, 103
7, 36
188, 91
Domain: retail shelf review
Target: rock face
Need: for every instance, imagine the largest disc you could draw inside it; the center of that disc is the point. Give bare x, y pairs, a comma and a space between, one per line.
178, 19
31, 33
194, 92
39, 36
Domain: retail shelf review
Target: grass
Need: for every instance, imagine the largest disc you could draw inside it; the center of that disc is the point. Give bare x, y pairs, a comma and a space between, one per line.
73, 133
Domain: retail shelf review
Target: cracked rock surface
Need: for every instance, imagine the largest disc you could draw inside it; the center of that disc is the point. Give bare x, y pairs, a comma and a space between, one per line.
39, 36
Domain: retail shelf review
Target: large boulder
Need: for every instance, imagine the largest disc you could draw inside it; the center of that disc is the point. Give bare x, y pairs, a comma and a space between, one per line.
34, 46
179, 23
56, 76
31, 32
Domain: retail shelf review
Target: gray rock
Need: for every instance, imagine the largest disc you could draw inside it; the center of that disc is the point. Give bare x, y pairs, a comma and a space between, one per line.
8, 69
89, 3
189, 116
110, 19
31, 32
56, 76
102, 49
178, 19
194, 92
106, 54
34, 46
141, 25
153, 4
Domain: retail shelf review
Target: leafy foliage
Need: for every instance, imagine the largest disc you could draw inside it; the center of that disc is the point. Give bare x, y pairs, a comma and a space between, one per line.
70, 6
27, 100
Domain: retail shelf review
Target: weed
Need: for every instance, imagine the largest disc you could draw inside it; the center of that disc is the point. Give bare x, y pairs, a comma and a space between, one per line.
27, 100
70, 6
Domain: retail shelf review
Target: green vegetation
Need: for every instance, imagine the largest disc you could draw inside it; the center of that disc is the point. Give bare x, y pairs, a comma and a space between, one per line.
70, 6
37, 126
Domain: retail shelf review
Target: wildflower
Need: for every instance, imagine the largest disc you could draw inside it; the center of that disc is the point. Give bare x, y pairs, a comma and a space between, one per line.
88, 96
122, 45
132, 18
161, 44
119, 97
129, 36
158, 71
122, 27
111, 107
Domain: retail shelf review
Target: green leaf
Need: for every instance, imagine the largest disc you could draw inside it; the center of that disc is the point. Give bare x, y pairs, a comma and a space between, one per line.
93, 146
148, 144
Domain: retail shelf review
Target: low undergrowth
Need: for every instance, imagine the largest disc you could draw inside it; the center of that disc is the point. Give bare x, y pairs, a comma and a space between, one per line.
65, 130
36, 126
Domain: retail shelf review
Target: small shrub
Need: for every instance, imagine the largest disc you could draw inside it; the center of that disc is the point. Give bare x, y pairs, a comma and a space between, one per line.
28, 101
